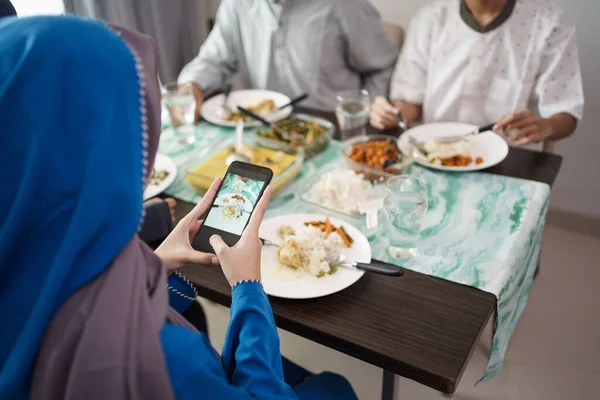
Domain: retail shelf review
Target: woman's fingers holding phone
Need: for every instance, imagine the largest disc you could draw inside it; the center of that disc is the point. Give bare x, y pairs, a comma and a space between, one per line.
258, 214
242, 261
206, 201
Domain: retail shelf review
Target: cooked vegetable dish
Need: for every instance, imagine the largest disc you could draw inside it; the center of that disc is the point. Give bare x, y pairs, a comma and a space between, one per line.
374, 153
301, 132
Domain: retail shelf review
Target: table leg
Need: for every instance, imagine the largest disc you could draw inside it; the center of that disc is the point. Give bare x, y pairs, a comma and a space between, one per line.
391, 382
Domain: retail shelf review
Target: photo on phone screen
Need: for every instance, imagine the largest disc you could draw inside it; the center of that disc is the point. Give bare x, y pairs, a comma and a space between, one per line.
240, 191
234, 203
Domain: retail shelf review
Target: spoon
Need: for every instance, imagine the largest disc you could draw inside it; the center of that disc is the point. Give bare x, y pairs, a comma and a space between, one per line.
239, 146
224, 112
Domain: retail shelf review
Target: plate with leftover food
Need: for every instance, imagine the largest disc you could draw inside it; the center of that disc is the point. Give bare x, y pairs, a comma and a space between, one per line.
265, 103
472, 153
300, 262
311, 133
162, 176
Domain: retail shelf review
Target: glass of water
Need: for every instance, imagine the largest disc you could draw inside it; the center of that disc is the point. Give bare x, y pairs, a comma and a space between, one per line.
405, 205
181, 105
352, 111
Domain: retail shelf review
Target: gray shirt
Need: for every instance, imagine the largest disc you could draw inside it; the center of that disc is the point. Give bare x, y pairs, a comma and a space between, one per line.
315, 46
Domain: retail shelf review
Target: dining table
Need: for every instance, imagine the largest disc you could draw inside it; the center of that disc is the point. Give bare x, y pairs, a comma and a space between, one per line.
416, 326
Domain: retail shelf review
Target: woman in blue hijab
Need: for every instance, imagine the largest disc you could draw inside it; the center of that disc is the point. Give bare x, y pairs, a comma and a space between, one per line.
83, 301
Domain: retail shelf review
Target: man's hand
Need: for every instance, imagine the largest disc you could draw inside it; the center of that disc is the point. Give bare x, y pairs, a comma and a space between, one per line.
522, 128
185, 89
383, 114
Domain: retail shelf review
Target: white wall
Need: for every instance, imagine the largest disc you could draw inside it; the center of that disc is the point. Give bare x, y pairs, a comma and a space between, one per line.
36, 7
578, 186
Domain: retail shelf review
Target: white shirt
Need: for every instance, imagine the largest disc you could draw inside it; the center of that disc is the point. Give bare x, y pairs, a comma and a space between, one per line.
459, 74
315, 46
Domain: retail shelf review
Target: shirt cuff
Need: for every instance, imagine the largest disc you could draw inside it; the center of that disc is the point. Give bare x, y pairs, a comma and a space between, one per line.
181, 294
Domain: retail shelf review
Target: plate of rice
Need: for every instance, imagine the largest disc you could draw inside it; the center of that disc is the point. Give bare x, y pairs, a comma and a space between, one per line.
298, 267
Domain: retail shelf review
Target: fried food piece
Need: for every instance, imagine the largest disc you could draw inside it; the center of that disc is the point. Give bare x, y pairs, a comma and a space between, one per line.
292, 255
285, 230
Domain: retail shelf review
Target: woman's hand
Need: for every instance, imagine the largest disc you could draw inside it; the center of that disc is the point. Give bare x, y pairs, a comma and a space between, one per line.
242, 261
522, 128
177, 249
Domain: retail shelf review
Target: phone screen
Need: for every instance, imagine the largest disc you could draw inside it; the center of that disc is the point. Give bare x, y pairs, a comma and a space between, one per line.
240, 191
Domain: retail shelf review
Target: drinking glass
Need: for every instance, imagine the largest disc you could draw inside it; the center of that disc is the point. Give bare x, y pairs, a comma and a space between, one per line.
181, 105
405, 204
352, 111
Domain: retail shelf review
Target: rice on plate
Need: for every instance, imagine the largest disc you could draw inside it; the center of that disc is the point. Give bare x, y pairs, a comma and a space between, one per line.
307, 248
342, 191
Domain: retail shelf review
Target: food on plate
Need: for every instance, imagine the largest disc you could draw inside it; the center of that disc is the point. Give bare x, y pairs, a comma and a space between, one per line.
159, 176
327, 227
374, 153
233, 207
342, 191
239, 198
456, 154
301, 132
307, 247
232, 211
261, 108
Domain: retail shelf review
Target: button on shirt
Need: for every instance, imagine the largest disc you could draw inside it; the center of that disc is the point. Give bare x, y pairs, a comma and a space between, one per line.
529, 60
315, 46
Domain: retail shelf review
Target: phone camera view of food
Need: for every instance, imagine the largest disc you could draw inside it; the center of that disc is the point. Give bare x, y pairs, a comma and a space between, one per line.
234, 203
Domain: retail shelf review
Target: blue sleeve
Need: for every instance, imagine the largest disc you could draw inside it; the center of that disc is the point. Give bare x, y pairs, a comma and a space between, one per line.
181, 293
251, 365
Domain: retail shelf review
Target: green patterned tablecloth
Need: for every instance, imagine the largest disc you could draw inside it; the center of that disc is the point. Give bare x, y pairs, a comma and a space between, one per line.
481, 230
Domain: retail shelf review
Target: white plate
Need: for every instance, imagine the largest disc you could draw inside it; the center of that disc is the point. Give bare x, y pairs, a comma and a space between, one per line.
245, 98
161, 162
285, 282
220, 201
488, 145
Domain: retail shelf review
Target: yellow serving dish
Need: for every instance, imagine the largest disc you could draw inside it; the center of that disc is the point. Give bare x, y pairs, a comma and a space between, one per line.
285, 166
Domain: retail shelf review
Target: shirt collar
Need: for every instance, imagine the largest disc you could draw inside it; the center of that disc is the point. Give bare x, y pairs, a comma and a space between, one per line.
468, 18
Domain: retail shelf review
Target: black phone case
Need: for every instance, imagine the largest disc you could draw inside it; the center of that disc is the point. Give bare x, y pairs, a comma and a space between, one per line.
201, 243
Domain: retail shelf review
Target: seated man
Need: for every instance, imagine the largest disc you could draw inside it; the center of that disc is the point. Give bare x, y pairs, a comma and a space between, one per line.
476, 61
317, 47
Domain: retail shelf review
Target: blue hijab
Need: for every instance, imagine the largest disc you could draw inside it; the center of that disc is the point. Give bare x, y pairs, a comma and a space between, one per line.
72, 172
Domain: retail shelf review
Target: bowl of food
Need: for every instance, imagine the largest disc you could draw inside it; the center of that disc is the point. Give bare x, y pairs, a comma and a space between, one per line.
370, 156
209, 165
311, 133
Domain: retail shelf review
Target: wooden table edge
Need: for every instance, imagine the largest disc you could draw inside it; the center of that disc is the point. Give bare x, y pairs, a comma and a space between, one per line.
359, 352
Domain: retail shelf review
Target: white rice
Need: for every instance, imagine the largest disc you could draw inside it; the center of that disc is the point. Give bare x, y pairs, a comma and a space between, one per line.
437, 151
341, 191
313, 242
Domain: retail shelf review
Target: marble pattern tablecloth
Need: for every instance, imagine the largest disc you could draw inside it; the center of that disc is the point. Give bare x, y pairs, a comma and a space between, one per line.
480, 230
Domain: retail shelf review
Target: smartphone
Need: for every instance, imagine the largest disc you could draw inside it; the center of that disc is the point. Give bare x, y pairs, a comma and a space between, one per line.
242, 186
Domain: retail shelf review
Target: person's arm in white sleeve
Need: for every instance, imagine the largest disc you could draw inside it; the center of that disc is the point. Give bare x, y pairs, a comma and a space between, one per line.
217, 60
409, 80
558, 91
